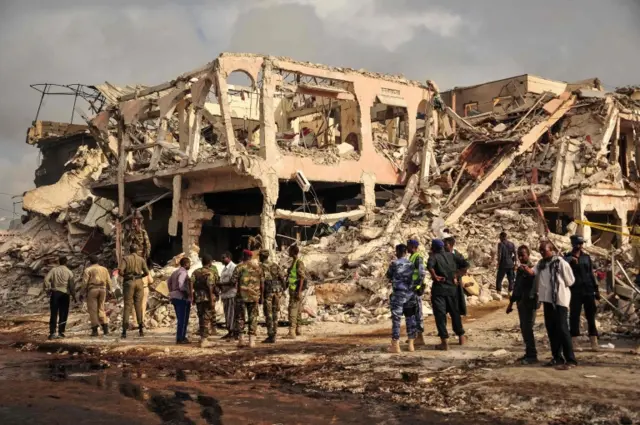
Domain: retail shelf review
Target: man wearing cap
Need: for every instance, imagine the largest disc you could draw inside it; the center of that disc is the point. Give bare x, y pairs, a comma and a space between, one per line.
417, 278
138, 236
403, 300
445, 268
584, 291
273, 286
133, 269
248, 279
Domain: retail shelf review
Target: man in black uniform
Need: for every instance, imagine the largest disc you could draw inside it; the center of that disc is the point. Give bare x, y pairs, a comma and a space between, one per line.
584, 292
444, 269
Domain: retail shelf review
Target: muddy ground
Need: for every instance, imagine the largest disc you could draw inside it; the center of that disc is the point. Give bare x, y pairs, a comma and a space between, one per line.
335, 373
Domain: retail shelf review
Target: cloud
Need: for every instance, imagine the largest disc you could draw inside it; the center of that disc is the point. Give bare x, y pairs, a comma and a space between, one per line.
368, 23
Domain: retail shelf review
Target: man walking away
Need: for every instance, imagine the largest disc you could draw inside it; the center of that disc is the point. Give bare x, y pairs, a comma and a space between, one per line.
181, 294
444, 269
133, 269
205, 290
95, 283
273, 286
526, 298
403, 299
58, 284
228, 295
584, 292
249, 283
417, 260
506, 262
297, 276
553, 280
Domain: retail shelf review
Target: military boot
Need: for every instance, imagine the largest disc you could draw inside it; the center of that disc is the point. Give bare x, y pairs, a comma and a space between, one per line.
241, 342
411, 348
252, 341
462, 339
105, 329
269, 340
141, 330
395, 346
291, 334
594, 343
123, 335
443, 346
94, 331
419, 340
299, 330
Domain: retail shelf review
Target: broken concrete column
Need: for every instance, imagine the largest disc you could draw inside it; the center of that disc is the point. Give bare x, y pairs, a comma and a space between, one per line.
579, 214
369, 195
194, 214
622, 216
270, 187
175, 205
225, 109
268, 147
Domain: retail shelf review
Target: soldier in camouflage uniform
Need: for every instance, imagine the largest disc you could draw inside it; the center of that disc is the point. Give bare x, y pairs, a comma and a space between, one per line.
205, 291
272, 292
296, 278
248, 279
138, 236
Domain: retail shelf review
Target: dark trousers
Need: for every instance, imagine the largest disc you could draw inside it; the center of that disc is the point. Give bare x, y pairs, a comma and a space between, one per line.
575, 308
59, 306
527, 314
556, 320
183, 310
502, 272
443, 304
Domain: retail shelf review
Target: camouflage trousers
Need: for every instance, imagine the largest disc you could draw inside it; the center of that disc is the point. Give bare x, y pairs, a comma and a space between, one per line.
295, 310
271, 308
206, 319
246, 311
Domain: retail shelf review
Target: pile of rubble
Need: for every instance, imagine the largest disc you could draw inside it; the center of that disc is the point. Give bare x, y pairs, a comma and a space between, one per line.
63, 219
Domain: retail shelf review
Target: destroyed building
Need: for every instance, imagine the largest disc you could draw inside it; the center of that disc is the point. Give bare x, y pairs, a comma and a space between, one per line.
528, 143
290, 150
346, 162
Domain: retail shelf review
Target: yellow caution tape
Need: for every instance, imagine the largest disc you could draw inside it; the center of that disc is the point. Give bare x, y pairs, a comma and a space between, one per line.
607, 228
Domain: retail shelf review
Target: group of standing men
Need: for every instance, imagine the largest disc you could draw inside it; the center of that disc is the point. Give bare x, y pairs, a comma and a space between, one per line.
563, 285
446, 266
242, 288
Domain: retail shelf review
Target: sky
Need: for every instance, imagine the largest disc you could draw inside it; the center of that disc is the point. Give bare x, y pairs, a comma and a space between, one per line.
454, 43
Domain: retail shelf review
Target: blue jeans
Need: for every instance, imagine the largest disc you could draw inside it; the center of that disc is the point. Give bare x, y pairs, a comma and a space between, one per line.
183, 310
403, 303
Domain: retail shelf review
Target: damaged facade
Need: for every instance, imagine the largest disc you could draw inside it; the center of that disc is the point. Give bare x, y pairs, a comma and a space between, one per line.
278, 155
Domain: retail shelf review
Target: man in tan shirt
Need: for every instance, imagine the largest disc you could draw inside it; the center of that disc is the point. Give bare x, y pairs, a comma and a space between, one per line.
133, 269
58, 284
95, 284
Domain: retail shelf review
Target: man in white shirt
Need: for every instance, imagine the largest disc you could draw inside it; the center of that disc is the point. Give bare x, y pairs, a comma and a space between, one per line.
553, 280
228, 294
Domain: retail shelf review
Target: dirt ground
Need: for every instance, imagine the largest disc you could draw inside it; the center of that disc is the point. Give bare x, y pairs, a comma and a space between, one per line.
338, 373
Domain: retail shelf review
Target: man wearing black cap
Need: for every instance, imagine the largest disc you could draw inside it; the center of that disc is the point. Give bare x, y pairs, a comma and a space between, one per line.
444, 269
417, 259
584, 291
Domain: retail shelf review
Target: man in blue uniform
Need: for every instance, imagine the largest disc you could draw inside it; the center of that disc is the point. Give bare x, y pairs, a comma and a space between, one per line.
403, 299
